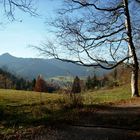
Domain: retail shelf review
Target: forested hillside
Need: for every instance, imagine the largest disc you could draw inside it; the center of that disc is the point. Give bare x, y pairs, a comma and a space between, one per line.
10, 81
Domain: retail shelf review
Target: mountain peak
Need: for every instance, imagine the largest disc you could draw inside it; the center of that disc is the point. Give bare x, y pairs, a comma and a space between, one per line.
6, 54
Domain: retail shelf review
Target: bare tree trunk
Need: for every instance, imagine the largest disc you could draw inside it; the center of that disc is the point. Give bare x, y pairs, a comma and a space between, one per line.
134, 83
134, 62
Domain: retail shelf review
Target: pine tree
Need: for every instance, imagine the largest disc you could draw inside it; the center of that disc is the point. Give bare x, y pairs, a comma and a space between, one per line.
92, 82
76, 87
88, 83
95, 82
33, 84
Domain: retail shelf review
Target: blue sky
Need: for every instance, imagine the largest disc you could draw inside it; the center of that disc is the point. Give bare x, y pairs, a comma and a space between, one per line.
15, 37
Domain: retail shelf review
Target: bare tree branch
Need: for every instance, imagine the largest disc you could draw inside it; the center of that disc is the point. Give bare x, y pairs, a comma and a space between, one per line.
26, 6
86, 4
96, 34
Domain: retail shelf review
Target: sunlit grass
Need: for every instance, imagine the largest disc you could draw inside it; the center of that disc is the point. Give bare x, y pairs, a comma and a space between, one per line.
25, 97
108, 95
15, 98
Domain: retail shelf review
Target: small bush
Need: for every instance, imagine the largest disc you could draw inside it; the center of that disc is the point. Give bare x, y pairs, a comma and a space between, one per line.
71, 101
76, 101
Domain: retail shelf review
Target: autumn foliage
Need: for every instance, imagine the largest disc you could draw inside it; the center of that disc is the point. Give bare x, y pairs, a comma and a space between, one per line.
40, 85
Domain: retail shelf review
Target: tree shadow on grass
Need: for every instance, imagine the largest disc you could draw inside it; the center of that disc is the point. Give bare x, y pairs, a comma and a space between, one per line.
91, 115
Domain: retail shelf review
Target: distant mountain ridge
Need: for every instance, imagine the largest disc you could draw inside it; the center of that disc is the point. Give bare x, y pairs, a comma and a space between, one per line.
31, 67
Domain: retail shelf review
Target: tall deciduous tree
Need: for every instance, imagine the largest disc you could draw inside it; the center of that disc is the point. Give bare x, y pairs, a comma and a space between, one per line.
98, 33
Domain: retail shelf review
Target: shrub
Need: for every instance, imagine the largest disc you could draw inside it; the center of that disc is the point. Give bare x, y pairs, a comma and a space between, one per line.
70, 101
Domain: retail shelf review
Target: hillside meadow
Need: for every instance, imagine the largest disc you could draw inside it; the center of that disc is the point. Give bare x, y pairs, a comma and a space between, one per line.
24, 109
17, 98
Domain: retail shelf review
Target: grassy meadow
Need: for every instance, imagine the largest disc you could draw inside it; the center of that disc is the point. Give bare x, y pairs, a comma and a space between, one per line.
21, 109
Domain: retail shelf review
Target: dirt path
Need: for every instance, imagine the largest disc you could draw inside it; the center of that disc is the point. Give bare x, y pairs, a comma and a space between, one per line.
134, 102
67, 132
88, 133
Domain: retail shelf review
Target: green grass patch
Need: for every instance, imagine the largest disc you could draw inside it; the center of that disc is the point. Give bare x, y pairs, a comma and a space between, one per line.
104, 96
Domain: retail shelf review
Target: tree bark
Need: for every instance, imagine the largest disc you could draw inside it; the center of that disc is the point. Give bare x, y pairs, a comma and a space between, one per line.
134, 83
134, 60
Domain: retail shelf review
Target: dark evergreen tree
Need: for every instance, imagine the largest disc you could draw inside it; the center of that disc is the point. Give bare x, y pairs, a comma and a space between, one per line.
76, 87
95, 82
92, 82
89, 83
33, 84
